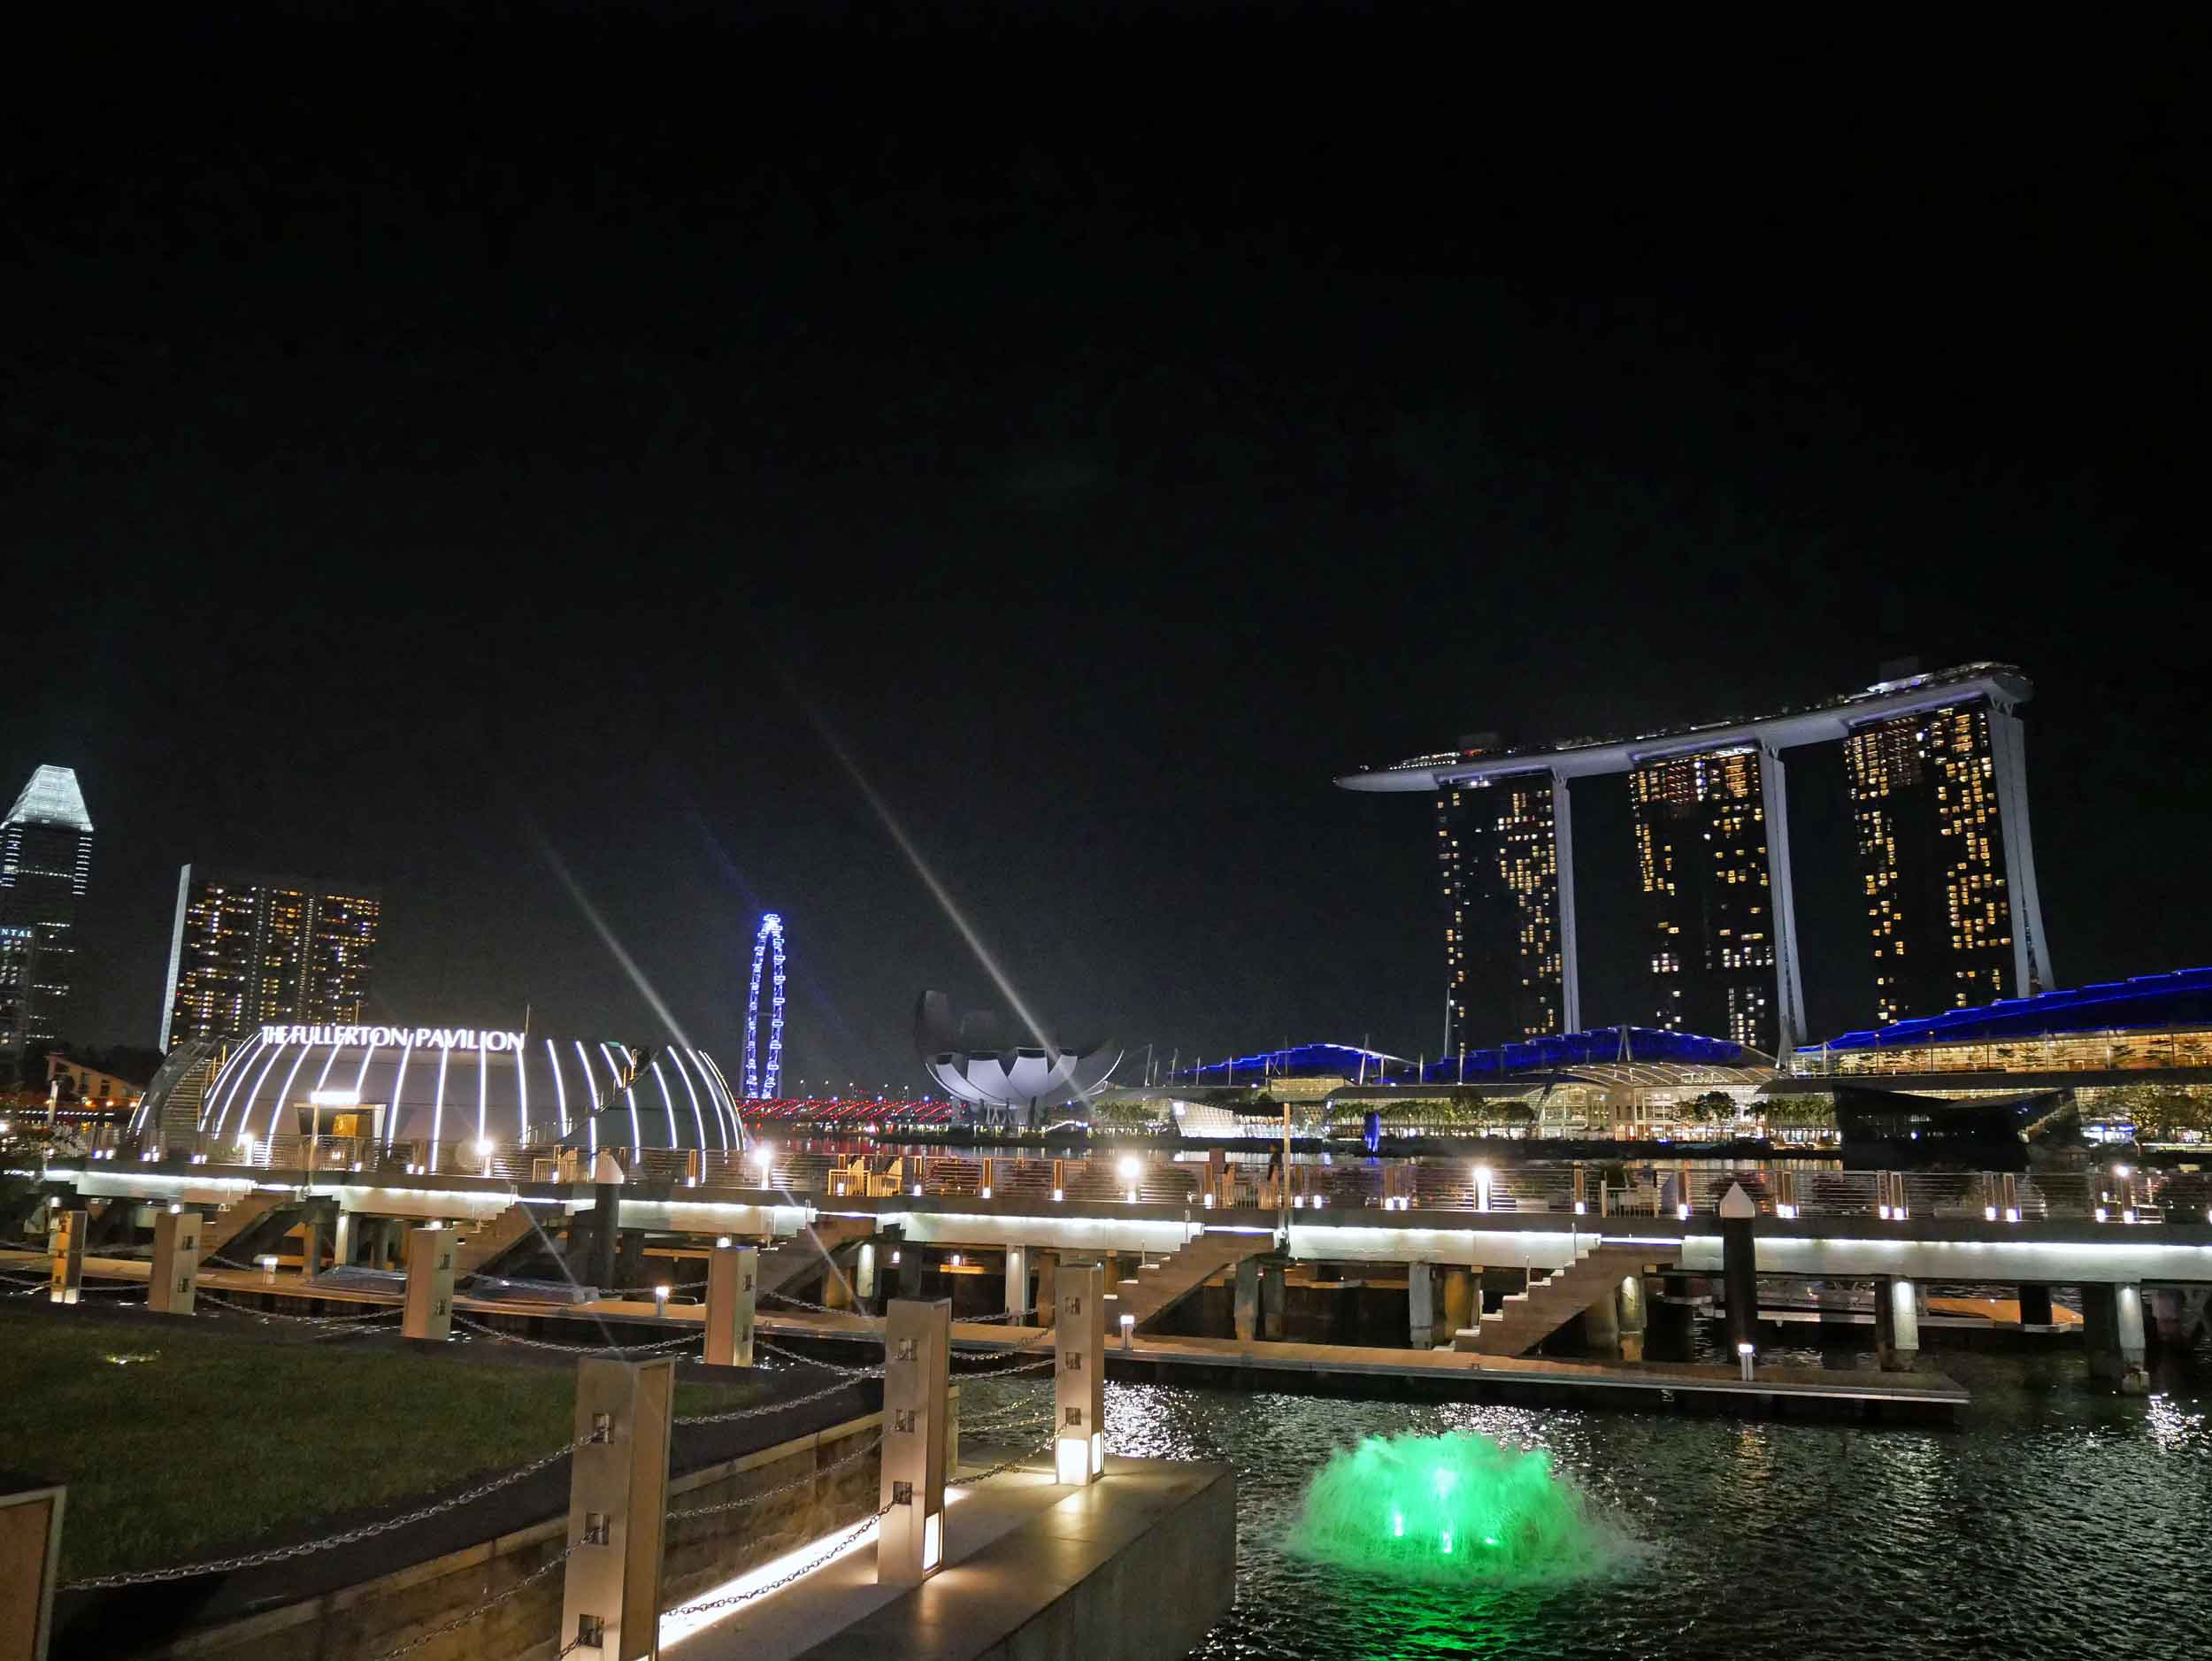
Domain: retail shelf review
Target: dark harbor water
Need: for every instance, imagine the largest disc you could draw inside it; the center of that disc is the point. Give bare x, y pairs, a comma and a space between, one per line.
2052, 1521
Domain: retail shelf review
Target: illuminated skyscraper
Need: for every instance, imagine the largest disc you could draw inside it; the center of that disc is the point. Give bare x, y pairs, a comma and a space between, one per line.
45, 856
249, 951
1701, 852
1498, 847
1932, 839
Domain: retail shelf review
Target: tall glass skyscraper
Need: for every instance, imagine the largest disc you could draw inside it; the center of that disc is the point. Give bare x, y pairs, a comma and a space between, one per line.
1497, 850
1701, 852
247, 951
1933, 857
45, 857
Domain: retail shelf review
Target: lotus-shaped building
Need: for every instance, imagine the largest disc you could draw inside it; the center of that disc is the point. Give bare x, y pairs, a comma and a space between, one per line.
1002, 1082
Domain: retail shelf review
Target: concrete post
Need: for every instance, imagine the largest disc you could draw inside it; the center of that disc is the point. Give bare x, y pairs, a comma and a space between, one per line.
428, 1312
1602, 1324
1629, 1298
1459, 1300
1018, 1280
1896, 1323
175, 1277
1420, 1306
917, 1356
1079, 1379
65, 1242
618, 1500
2112, 1321
836, 1293
342, 1241
1047, 1288
606, 1227
732, 1273
864, 1275
311, 1232
1248, 1300
2035, 1306
1272, 1300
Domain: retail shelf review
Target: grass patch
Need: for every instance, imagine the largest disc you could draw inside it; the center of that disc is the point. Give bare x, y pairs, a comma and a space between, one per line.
175, 1443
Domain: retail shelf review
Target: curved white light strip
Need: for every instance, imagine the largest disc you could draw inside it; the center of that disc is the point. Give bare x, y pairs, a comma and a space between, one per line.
245, 1113
329, 1061
736, 1116
591, 1097
721, 1130
237, 1069
276, 1103
437, 1113
669, 1103
361, 1072
483, 1096
399, 1085
637, 1135
522, 1113
560, 1086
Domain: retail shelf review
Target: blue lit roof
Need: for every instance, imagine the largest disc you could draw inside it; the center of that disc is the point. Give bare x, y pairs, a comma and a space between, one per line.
2179, 999
1645, 1043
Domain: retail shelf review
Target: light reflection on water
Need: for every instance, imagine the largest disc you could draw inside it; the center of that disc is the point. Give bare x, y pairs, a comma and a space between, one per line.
2052, 1521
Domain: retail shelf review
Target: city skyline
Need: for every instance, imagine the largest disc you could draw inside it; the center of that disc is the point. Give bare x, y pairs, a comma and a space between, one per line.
487, 497
45, 863
247, 949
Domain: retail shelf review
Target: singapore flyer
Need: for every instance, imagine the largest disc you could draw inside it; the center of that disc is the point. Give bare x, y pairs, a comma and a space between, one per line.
761, 1084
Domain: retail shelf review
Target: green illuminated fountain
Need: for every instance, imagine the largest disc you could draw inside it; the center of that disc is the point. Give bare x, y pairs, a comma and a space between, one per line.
1457, 1507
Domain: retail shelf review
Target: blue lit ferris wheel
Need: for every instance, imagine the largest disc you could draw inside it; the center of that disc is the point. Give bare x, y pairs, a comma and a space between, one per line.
762, 1083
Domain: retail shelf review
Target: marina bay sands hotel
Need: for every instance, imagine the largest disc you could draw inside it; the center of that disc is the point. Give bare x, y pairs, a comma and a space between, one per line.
1939, 795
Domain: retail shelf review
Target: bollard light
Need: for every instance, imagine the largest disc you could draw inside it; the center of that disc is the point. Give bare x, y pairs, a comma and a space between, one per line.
1207, 1199
1744, 1356
918, 1190
1582, 1208
987, 1194
2012, 1213
956, 1260
176, 1211
894, 1259
660, 1300
1681, 1213
1128, 1330
268, 1265
725, 1241
1883, 1211
2100, 1213
2128, 1216
1482, 1189
1056, 1196
1989, 1213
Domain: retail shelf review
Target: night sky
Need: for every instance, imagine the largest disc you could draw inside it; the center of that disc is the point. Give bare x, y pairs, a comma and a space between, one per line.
441, 450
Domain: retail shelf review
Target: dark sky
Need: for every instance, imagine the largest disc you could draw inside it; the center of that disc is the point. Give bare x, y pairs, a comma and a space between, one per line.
433, 442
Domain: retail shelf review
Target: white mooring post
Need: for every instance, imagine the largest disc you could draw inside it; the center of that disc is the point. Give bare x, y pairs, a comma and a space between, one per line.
1079, 1397
1017, 1282
916, 1357
732, 1273
618, 1502
66, 1242
176, 1272
430, 1309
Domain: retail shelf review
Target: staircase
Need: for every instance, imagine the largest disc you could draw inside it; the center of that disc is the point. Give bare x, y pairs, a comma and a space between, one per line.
1526, 1318
1159, 1287
479, 1249
229, 1233
792, 1262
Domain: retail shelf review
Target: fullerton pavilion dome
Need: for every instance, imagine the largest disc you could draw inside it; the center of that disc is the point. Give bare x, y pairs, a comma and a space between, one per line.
465, 1086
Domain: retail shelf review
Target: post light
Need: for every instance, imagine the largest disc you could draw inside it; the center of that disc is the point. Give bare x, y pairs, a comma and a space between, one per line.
894, 1259
1207, 1197
987, 1194
2100, 1213
918, 1190
268, 1263
956, 1260
660, 1300
176, 1211
2012, 1213
1057, 1197
1989, 1213
1744, 1353
1883, 1211
2128, 1215
1682, 1213
1128, 1331
725, 1242
2122, 1172
1582, 1208
1482, 1189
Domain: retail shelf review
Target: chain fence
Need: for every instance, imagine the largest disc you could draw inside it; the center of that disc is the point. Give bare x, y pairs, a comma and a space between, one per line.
766, 1408
327, 1542
577, 1349
797, 1483
836, 1548
304, 1320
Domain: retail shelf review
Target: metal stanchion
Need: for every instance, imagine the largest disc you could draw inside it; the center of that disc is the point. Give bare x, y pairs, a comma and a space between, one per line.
1079, 1379
733, 1271
617, 1503
429, 1308
916, 1356
175, 1279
